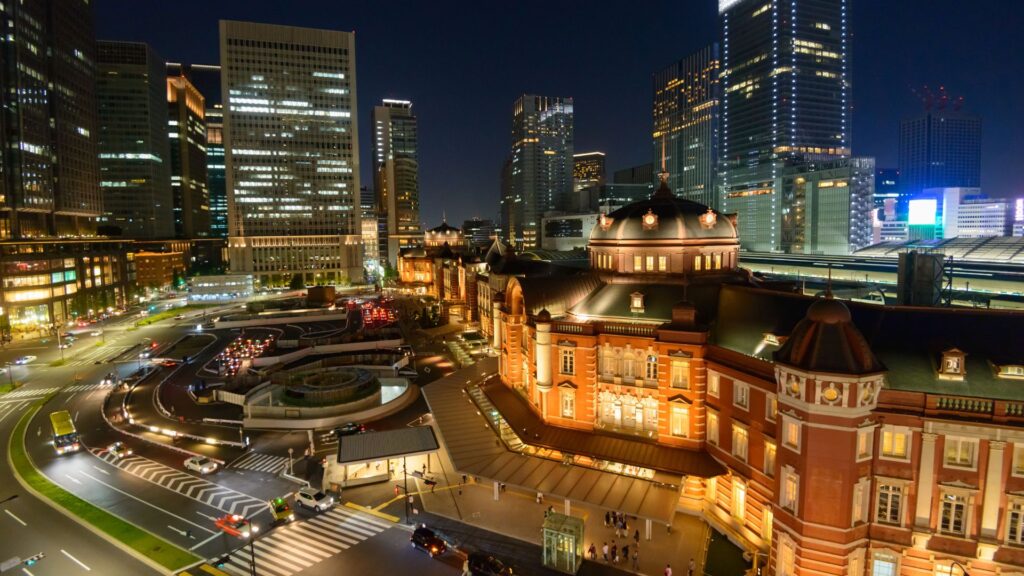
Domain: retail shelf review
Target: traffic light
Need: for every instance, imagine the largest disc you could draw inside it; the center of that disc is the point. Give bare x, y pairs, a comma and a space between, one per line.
221, 561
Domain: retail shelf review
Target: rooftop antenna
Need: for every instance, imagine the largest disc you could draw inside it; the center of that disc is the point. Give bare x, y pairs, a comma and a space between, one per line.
828, 287
664, 172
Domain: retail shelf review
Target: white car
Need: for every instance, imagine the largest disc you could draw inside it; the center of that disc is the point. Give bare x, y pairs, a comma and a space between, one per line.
200, 464
24, 360
312, 498
119, 450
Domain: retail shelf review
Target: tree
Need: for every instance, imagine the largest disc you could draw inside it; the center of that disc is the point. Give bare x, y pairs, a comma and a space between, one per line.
297, 282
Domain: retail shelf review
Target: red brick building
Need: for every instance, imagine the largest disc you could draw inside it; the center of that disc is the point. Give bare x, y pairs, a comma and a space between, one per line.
824, 437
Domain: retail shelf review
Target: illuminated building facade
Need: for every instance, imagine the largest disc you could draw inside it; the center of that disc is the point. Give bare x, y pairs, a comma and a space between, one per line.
186, 128
940, 149
135, 163
396, 173
785, 84
824, 437
830, 206
291, 147
538, 176
685, 135
158, 269
587, 170
370, 227
49, 169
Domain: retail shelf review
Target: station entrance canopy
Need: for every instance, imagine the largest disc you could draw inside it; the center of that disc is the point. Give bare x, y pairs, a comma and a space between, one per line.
387, 444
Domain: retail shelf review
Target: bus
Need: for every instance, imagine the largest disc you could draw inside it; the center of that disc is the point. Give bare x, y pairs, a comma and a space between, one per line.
65, 437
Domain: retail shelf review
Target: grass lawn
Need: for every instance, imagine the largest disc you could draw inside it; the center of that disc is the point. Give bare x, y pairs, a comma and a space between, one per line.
157, 549
57, 363
189, 346
7, 387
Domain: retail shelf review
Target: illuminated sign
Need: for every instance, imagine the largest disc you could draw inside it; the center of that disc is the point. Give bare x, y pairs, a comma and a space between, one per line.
724, 5
1018, 213
923, 211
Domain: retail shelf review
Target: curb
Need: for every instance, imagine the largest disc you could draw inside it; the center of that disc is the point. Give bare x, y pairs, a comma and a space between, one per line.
94, 529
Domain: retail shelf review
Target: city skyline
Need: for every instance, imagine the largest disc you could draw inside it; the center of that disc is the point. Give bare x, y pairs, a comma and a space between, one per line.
462, 159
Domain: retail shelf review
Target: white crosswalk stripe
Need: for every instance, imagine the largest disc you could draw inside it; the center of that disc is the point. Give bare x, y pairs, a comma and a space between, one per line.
199, 489
23, 393
261, 462
295, 547
85, 387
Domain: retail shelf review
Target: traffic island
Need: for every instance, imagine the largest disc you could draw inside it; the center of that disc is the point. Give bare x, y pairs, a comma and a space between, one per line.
143, 545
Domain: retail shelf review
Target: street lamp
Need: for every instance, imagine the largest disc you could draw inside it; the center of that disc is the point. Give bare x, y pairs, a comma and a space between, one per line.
10, 373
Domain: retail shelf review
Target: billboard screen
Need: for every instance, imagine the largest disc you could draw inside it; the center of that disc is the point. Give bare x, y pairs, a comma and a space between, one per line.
922, 211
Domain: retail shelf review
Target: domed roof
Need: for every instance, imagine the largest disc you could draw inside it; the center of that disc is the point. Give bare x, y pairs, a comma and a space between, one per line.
664, 217
828, 341
445, 228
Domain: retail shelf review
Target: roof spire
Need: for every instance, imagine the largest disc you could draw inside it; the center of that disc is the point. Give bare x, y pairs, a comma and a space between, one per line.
663, 190
444, 216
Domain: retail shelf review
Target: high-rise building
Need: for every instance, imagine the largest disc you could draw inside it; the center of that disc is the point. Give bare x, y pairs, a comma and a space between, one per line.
830, 206
983, 217
206, 78
186, 128
368, 214
479, 232
396, 175
292, 153
887, 187
685, 134
587, 170
51, 267
539, 171
785, 82
940, 149
135, 163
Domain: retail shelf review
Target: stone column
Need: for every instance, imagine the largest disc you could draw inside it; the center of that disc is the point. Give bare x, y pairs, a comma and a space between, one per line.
496, 317
925, 482
992, 490
543, 354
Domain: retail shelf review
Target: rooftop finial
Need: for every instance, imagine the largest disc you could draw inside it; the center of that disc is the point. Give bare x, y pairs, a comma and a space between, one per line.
828, 287
663, 175
444, 216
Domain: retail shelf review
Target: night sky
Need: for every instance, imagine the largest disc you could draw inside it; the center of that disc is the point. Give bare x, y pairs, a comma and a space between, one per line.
463, 63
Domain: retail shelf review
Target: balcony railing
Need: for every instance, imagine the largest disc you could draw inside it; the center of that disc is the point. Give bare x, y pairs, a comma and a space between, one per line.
960, 404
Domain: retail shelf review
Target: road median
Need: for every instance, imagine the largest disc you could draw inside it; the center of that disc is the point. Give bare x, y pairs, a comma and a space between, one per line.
142, 544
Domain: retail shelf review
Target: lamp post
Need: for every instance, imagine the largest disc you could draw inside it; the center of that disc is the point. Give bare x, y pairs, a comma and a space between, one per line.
10, 373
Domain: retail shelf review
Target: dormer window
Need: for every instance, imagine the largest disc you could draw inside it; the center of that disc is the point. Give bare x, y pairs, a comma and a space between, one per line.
951, 365
1015, 371
636, 302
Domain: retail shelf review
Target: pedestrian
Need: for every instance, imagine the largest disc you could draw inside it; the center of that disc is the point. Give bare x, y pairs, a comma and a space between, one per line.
592, 552
607, 519
636, 537
540, 498
693, 567
463, 478
615, 553
625, 552
668, 570
604, 552
424, 468
465, 568
636, 558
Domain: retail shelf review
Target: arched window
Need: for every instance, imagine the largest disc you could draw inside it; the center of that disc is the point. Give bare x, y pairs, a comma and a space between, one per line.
651, 372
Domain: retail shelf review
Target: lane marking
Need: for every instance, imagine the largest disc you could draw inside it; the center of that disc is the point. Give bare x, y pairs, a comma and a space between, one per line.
98, 469
11, 514
182, 532
206, 515
25, 570
150, 504
73, 479
77, 561
215, 534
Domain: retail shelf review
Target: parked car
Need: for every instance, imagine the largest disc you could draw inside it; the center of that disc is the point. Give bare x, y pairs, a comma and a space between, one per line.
200, 464
481, 564
308, 497
425, 539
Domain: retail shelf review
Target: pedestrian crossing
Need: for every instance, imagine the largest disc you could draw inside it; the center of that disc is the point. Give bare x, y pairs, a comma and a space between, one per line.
261, 463
27, 392
85, 387
194, 487
295, 547
8, 408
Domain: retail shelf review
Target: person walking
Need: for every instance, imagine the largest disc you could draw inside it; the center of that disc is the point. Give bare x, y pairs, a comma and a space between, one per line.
607, 519
636, 558
592, 552
615, 553
668, 570
625, 552
465, 568
604, 552
693, 567
636, 537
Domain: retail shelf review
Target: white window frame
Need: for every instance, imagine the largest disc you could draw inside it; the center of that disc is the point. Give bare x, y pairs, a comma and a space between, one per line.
884, 492
567, 356
739, 499
740, 441
713, 424
651, 368
960, 443
771, 452
790, 427
714, 384
771, 407
789, 479
895, 433
865, 444
1015, 535
682, 411
785, 562
679, 373
948, 502
1017, 469
567, 399
741, 394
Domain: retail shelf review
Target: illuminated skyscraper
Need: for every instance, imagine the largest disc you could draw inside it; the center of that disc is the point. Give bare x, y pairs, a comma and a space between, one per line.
186, 127
396, 174
539, 170
940, 149
291, 145
785, 84
135, 162
587, 170
685, 135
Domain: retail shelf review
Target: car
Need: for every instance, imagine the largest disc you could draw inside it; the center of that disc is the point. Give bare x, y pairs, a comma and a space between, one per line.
236, 525
481, 564
96, 333
119, 450
308, 497
66, 344
169, 363
179, 317
281, 511
21, 361
349, 429
425, 539
200, 464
